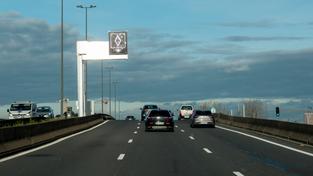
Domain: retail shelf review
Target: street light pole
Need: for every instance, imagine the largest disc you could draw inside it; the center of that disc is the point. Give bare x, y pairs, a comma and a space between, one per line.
86, 38
102, 99
86, 12
119, 108
62, 72
115, 85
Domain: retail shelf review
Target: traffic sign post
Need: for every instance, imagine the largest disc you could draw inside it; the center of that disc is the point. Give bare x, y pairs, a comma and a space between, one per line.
115, 49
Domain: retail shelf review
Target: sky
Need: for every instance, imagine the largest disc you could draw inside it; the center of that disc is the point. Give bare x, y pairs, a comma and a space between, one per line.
179, 50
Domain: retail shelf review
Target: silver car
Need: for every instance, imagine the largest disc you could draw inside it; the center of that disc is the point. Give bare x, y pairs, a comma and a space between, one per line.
45, 111
202, 118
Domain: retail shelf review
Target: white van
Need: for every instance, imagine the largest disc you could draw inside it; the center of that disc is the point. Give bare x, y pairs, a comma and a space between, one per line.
19, 110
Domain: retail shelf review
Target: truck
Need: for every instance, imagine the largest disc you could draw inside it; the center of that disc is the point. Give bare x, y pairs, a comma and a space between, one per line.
22, 109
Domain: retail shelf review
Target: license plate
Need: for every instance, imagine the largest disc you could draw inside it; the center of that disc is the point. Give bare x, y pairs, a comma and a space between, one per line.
158, 127
159, 123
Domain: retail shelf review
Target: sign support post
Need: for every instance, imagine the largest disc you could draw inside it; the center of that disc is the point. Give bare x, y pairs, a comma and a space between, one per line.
115, 49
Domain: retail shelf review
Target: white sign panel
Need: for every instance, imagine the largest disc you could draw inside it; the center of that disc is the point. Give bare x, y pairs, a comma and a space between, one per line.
96, 50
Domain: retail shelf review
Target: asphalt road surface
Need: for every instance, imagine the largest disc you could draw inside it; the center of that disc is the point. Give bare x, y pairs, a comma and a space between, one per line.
123, 148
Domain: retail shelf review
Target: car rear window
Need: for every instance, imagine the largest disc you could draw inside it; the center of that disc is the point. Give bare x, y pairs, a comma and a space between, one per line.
150, 107
186, 107
159, 114
203, 113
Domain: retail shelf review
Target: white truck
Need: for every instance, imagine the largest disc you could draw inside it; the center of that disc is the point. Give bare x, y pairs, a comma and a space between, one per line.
185, 112
22, 109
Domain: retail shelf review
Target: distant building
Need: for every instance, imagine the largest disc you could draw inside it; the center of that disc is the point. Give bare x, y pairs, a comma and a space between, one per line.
308, 118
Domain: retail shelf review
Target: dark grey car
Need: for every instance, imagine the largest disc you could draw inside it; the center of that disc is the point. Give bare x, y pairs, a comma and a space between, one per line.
159, 120
45, 111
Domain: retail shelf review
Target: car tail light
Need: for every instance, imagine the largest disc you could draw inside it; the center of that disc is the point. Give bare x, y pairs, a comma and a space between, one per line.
168, 120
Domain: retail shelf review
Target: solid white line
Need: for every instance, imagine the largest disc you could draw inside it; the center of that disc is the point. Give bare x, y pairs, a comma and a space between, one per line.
121, 156
130, 141
207, 150
182, 131
267, 141
192, 138
238, 173
49, 144
135, 132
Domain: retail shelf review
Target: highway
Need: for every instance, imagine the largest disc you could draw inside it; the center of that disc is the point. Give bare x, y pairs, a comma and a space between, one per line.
123, 148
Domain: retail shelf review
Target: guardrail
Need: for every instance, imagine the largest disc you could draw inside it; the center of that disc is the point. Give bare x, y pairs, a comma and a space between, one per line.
17, 138
294, 131
24, 121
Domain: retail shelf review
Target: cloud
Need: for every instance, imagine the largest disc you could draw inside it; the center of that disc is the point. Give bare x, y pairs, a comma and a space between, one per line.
30, 58
250, 24
161, 66
258, 39
264, 23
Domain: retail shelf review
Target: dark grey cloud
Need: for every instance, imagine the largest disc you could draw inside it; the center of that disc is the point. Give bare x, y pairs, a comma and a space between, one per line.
30, 58
257, 39
194, 71
161, 66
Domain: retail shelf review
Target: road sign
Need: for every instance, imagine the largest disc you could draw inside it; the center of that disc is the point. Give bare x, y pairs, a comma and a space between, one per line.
118, 43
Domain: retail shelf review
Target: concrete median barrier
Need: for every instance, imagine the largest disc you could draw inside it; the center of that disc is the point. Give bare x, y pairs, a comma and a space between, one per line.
293, 131
18, 138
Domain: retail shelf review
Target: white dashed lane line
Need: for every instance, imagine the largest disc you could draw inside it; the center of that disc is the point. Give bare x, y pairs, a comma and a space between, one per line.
135, 132
192, 138
176, 126
238, 173
182, 131
130, 141
138, 127
207, 150
121, 157
138, 123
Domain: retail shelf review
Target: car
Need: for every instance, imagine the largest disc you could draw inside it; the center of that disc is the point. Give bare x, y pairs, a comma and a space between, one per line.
45, 111
202, 118
145, 109
130, 118
159, 120
185, 112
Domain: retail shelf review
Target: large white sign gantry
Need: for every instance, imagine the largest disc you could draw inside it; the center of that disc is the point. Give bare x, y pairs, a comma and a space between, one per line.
115, 48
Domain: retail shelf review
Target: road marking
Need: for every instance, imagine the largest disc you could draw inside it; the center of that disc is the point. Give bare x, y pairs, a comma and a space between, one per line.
238, 173
182, 131
267, 141
138, 127
135, 132
121, 157
207, 150
138, 123
130, 141
176, 126
192, 138
50, 144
